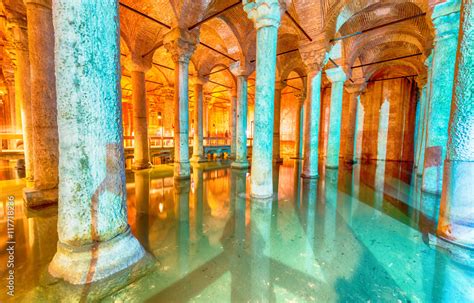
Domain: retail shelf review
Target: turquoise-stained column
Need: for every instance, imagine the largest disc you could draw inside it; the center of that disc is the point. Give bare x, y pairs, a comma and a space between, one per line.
337, 76
446, 21
241, 72
181, 189
279, 86
181, 44
298, 125
311, 124
457, 200
359, 130
266, 16
354, 89
233, 122
94, 237
424, 116
44, 189
198, 149
420, 109
138, 66
383, 131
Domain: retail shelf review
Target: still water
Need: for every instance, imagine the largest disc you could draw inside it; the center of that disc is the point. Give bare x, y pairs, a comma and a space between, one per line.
354, 235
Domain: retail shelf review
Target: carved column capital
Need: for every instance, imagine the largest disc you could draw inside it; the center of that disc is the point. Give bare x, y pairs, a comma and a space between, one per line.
242, 68
280, 85
136, 63
336, 74
264, 12
199, 80
357, 87
445, 18
313, 58
181, 44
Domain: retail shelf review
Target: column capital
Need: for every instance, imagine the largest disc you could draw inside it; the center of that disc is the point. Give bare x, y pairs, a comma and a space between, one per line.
314, 59
301, 96
445, 18
279, 85
429, 60
357, 87
421, 80
136, 63
199, 80
242, 68
44, 3
181, 44
336, 74
264, 12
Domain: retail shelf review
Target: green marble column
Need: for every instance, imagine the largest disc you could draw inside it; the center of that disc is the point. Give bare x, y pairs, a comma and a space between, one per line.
424, 116
457, 200
311, 124
266, 16
446, 21
337, 76
94, 237
279, 86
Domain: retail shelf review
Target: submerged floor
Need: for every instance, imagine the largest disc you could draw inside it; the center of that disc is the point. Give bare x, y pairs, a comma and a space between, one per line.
356, 235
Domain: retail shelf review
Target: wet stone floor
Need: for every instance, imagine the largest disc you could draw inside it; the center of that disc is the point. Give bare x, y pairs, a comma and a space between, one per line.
354, 235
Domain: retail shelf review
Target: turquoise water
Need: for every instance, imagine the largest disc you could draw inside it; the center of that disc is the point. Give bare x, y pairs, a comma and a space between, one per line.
357, 235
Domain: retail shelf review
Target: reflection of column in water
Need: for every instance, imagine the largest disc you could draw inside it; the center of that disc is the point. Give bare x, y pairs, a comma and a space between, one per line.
430, 209
142, 201
198, 198
260, 232
181, 200
239, 198
297, 183
309, 199
344, 198
379, 184
452, 281
276, 180
330, 215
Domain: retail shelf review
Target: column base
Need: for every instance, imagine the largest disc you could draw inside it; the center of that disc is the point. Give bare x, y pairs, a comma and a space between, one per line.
240, 164
197, 159
330, 166
306, 176
34, 197
141, 165
182, 170
86, 264
460, 253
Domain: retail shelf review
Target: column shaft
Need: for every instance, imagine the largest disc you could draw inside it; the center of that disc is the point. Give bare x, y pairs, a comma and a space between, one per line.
43, 105
311, 124
276, 125
457, 200
94, 236
440, 104
141, 151
198, 149
298, 129
181, 118
241, 136
233, 125
261, 179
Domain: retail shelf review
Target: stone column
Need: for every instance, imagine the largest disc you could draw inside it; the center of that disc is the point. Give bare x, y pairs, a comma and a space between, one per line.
198, 149
138, 66
456, 211
352, 116
311, 123
18, 31
266, 15
298, 126
241, 72
94, 237
337, 76
233, 123
279, 86
420, 111
446, 21
424, 117
181, 44
359, 130
43, 104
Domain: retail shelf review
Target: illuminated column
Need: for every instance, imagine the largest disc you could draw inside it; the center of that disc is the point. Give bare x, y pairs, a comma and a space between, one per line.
279, 86
311, 124
424, 116
94, 237
266, 15
446, 21
241, 72
233, 122
298, 127
337, 76
138, 66
359, 130
181, 44
43, 104
198, 150
420, 111
456, 211
353, 115
19, 35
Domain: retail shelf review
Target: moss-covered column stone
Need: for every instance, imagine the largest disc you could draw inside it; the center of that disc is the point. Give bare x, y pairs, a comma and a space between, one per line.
279, 86
446, 21
19, 36
181, 44
311, 124
241, 72
94, 236
298, 125
266, 16
198, 149
337, 76
138, 66
44, 189
457, 201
